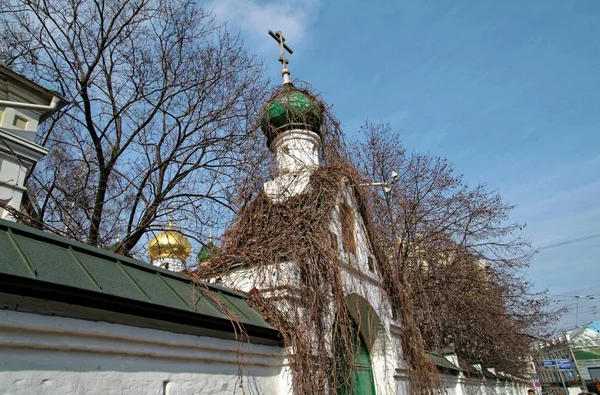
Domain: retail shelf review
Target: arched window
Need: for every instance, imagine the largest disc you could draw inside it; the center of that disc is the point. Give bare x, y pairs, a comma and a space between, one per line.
347, 223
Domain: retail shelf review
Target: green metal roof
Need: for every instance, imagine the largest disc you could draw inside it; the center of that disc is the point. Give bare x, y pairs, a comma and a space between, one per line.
46, 266
441, 362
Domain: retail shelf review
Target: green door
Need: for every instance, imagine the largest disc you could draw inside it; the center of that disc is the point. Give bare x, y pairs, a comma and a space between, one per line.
361, 380
365, 384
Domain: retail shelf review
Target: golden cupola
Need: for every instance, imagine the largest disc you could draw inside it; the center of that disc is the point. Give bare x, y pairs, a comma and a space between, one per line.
169, 245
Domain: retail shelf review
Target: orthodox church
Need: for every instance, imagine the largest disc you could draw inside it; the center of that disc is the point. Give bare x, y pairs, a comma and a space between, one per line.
76, 319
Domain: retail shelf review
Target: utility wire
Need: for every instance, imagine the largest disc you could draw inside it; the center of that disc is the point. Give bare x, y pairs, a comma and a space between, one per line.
594, 288
569, 297
562, 243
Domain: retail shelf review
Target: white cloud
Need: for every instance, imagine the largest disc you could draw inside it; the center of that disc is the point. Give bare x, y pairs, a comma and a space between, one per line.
255, 18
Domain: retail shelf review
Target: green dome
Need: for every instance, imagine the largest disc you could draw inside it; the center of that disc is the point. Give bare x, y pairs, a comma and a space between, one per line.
291, 109
207, 252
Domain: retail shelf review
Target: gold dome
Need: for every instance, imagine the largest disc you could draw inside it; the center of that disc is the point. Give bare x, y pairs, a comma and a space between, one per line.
169, 244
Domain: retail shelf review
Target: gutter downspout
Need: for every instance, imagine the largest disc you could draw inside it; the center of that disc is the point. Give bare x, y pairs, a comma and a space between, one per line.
28, 106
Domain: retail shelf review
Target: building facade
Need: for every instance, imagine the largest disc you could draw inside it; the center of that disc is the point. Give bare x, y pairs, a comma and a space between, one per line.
581, 346
23, 106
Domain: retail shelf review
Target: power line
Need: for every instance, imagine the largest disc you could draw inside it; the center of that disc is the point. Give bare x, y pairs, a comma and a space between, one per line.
581, 290
562, 243
568, 297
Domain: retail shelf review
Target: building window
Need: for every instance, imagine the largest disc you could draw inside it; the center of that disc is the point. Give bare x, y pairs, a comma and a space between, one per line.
347, 222
20, 122
334, 242
371, 264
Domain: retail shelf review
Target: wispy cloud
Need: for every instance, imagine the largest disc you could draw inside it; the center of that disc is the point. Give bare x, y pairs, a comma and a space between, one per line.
254, 18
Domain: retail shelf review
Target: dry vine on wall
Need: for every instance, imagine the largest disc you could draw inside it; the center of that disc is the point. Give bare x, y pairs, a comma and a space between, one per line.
294, 264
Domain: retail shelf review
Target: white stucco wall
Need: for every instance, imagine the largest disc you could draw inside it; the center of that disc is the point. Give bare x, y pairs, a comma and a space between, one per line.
42, 354
463, 385
389, 368
297, 154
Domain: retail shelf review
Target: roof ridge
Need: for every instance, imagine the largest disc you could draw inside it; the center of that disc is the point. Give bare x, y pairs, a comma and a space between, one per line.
65, 242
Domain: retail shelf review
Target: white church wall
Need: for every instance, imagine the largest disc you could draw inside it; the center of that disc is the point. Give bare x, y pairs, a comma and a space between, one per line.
280, 282
297, 153
459, 384
245, 278
56, 355
296, 150
400, 374
452, 384
360, 277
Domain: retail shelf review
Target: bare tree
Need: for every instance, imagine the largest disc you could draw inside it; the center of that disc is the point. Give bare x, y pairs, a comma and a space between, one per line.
162, 100
451, 250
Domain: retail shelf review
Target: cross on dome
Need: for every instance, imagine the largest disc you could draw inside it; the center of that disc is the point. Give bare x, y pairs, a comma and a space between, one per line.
285, 72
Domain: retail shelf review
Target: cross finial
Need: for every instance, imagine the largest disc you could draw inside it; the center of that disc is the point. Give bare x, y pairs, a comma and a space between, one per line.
119, 230
285, 72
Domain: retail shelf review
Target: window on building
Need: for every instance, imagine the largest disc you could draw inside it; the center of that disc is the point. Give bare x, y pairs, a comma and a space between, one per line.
334, 241
20, 122
594, 373
347, 222
371, 264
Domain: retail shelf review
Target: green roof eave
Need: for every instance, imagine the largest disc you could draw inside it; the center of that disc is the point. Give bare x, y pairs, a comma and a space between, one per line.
441, 362
41, 265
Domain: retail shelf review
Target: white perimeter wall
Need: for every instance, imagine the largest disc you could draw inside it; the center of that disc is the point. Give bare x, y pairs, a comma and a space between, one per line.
42, 354
462, 385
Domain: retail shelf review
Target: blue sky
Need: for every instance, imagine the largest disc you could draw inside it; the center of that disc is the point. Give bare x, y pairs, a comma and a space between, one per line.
506, 90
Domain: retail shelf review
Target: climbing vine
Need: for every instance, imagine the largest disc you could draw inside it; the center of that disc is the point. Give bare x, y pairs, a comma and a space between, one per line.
286, 254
